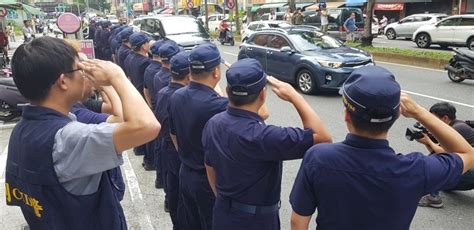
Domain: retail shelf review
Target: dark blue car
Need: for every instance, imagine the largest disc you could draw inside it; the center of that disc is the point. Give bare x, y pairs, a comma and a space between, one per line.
305, 57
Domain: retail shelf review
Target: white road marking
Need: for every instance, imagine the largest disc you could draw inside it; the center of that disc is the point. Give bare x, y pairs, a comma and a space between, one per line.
410, 66
439, 99
135, 191
3, 164
231, 54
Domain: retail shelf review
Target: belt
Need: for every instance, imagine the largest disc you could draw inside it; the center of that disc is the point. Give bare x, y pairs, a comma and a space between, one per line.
253, 209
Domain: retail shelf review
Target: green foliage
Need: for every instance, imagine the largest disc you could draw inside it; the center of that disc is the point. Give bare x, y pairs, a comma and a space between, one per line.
407, 52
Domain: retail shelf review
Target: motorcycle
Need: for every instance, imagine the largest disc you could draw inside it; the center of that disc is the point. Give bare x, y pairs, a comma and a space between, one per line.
11, 100
228, 38
461, 66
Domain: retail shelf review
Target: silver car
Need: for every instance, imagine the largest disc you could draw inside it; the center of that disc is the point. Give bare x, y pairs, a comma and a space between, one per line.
408, 25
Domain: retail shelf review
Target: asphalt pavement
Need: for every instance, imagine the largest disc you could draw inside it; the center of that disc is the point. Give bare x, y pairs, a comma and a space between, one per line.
402, 43
143, 204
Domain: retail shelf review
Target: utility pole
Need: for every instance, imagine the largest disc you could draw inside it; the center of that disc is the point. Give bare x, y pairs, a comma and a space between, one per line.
237, 20
292, 4
207, 15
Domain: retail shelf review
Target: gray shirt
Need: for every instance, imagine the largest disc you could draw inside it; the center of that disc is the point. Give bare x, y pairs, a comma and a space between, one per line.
81, 153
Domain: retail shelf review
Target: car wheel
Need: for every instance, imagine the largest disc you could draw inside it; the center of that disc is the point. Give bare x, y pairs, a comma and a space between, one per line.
305, 82
232, 43
391, 35
244, 40
470, 43
423, 40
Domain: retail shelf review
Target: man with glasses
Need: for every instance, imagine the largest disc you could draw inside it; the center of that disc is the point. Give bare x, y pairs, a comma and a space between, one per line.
56, 165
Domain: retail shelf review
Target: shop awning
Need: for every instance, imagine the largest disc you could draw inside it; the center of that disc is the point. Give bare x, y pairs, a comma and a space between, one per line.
304, 5
329, 5
254, 9
389, 6
355, 2
31, 10
273, 5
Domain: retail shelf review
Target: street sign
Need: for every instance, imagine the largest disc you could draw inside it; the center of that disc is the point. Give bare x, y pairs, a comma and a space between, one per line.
3, 12
87, 47
230, 4
190, 4
69, 23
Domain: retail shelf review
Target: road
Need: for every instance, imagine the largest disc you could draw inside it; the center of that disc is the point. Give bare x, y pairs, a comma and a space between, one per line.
143, 204
382, 41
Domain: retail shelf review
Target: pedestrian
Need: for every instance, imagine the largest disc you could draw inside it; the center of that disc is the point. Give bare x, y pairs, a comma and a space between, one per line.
288, 15
323, 13
362, 183
272, 15
350, 27
57, 164
383, 21
447, 113
125, 48
28, 33
12, 34
190, 109
135, 64
298, 17
244, 156
179, 78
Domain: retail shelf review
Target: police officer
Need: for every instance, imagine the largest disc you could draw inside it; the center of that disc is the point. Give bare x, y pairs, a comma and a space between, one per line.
362, 183
190, 109
135, 65
55, 165
114, 42
125, 48
150, 72
104, 41
179, 78
244, 156
98, 40
163, 77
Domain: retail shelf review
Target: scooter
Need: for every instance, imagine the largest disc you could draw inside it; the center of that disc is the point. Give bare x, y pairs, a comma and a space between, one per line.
228, 38
11, 100
461, 66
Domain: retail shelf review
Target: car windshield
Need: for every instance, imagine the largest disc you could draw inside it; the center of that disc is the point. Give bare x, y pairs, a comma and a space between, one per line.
308, 40
182, 25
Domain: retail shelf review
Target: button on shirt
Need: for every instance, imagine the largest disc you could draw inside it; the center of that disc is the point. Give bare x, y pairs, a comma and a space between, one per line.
247, 155
149, 76
191, 107
363, 184
136, 66
161, 80
161, 111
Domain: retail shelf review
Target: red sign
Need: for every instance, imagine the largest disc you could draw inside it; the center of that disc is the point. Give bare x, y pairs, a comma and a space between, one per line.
69, 23
190, 4
87, 47
3, 12
389, 6
230, 4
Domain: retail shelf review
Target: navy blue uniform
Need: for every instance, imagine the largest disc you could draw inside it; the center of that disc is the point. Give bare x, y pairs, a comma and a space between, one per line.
30, 170
98, 43
135, 66
150, 72
123, 53
161, 80
106, 51
168, 153
362, 183
191, 107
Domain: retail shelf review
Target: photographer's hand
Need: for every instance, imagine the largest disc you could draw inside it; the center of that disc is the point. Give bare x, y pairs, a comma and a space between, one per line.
430, 145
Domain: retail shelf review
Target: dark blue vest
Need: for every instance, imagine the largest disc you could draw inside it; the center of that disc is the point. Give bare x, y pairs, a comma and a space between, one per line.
32, 184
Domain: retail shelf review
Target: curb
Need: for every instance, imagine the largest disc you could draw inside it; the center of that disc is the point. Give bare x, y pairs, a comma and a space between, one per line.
410, 60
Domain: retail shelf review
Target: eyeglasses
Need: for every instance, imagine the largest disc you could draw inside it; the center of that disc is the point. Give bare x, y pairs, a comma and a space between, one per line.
74, 70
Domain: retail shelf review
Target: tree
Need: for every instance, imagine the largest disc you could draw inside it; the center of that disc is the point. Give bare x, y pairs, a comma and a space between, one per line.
368, 37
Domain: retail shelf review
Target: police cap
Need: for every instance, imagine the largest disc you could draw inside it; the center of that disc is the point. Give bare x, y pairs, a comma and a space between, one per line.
246, 77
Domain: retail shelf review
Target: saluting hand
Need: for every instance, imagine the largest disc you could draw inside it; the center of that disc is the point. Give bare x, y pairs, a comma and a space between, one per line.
409, 108
282, 89
101, 72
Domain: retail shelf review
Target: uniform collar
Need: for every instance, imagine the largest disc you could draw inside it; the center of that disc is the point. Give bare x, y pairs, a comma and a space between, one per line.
197, 85
175, 85
33, 112
363, 142
155, 62
244, 113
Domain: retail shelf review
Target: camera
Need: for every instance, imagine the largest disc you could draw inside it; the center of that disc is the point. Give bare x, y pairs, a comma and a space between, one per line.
417, 132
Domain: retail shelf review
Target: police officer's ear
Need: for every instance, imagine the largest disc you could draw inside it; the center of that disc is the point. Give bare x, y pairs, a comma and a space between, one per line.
347, 117
263, 94
217, 72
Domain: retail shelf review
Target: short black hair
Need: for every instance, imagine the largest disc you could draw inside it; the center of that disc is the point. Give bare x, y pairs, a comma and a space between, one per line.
373, 128
239, 100
178, 77
37, 65
441, 109
202, 73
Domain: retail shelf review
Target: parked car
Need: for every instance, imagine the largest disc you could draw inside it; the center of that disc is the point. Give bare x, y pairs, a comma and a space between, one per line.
408, 25
452, 31
258, 25
214, 21
304, 56
337, 17
184, 30
112, 18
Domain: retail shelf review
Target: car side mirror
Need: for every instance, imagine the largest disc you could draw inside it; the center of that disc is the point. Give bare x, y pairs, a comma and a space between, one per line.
286, 49
399, 22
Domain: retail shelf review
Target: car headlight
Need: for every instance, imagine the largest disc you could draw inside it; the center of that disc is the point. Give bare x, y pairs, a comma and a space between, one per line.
330, 64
